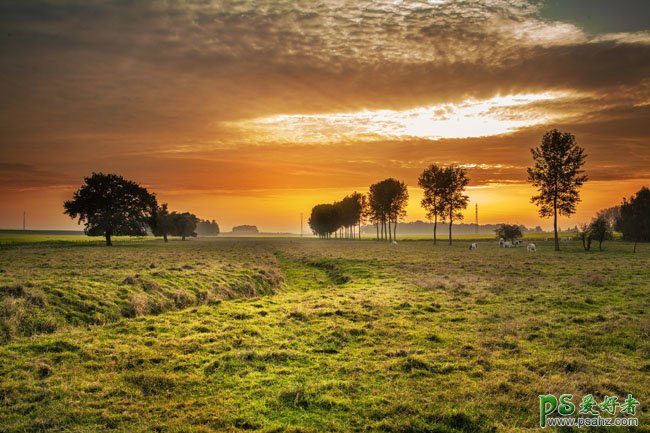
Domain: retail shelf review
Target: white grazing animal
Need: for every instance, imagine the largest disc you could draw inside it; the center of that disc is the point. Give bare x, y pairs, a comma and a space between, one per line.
394, 242
531, 248
473, 246
507, 244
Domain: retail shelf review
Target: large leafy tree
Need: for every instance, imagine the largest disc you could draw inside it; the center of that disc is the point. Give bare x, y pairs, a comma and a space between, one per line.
433, 182
634, 219
557, 174
110, 205
454, 198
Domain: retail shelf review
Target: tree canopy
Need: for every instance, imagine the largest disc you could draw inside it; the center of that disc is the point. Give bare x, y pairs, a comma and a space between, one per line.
557, 174
110, 205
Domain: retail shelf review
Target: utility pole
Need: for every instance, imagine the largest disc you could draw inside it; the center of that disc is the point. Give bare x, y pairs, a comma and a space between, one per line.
476, 218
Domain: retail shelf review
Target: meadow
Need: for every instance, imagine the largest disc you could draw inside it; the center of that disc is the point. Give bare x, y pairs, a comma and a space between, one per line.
303, 335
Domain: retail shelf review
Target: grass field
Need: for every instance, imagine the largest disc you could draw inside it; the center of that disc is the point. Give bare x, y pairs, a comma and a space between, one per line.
302, 335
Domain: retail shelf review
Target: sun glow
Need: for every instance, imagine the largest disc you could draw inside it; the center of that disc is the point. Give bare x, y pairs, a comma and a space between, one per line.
470, 118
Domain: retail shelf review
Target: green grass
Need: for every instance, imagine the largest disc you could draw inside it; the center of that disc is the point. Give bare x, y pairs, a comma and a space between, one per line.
305, 335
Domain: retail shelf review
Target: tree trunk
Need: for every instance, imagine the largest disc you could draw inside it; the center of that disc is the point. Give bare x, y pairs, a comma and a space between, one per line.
635, 246
165, 238
451, 222
182, 238
377, 226
557, 239
435, 227
395, 231
600, 245
110, 243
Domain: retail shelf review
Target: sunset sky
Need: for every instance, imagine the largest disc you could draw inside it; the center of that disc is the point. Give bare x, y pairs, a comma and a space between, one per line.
250, 112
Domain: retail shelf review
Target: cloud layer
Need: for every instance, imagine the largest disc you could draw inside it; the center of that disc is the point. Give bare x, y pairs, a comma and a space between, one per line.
153, 90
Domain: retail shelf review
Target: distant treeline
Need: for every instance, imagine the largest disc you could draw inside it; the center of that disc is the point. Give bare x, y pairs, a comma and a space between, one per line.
426, 228
207, 228
245, 229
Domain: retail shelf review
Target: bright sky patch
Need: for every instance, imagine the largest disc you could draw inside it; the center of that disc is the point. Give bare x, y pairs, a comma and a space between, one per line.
471, 118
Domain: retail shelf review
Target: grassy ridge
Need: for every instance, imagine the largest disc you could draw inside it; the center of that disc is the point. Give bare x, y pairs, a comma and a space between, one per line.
361, 336
48, 287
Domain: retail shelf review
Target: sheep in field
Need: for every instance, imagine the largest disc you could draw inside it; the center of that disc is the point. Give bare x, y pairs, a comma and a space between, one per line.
473, 246
531, 248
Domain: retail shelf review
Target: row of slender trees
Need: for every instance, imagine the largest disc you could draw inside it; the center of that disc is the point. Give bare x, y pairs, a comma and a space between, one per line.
110, 205
341, 219
385, 205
